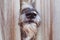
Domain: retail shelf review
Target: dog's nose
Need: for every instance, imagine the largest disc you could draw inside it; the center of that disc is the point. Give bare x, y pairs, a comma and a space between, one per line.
31, 15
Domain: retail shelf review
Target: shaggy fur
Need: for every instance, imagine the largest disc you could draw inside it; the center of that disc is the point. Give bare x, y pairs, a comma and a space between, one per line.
29, 26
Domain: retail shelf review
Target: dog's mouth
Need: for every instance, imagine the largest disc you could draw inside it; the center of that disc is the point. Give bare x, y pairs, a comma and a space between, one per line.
29, 21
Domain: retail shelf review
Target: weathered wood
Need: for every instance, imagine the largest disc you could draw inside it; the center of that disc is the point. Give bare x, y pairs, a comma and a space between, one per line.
9, 18
9, 11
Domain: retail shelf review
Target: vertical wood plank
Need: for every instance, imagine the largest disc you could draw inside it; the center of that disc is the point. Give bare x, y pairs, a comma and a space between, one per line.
46, 19
51, 18
37, 7
0, 25
8, 20
42, 17
17, 14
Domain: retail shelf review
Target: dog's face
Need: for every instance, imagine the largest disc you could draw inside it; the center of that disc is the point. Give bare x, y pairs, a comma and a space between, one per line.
30, 15
29, 21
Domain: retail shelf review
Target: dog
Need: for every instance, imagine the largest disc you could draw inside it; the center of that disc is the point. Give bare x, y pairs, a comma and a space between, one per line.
29, 22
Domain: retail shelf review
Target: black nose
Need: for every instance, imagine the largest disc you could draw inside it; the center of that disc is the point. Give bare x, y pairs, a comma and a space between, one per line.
31, 15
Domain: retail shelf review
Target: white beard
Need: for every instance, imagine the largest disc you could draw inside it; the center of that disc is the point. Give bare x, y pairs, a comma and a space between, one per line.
30, 29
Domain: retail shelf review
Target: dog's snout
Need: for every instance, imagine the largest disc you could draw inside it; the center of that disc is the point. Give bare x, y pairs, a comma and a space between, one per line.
31, 15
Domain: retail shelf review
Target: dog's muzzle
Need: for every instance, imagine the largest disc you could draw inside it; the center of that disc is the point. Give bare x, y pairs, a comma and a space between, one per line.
30, 13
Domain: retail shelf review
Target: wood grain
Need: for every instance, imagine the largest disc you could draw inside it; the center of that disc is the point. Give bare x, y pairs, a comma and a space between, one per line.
9, 18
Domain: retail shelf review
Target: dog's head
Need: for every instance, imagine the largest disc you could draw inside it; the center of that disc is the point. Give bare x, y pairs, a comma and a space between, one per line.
29, 20
29, 15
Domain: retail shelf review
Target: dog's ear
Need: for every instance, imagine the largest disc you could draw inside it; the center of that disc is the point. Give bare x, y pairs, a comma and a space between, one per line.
29, 3
33, 3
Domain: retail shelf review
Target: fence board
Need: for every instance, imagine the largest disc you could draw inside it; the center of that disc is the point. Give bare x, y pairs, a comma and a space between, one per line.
9, 18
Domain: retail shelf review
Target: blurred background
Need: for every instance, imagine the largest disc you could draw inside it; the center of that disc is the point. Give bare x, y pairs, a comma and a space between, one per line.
49, 12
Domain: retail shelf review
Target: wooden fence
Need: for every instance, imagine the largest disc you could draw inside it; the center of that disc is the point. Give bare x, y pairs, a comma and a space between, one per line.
9, 18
